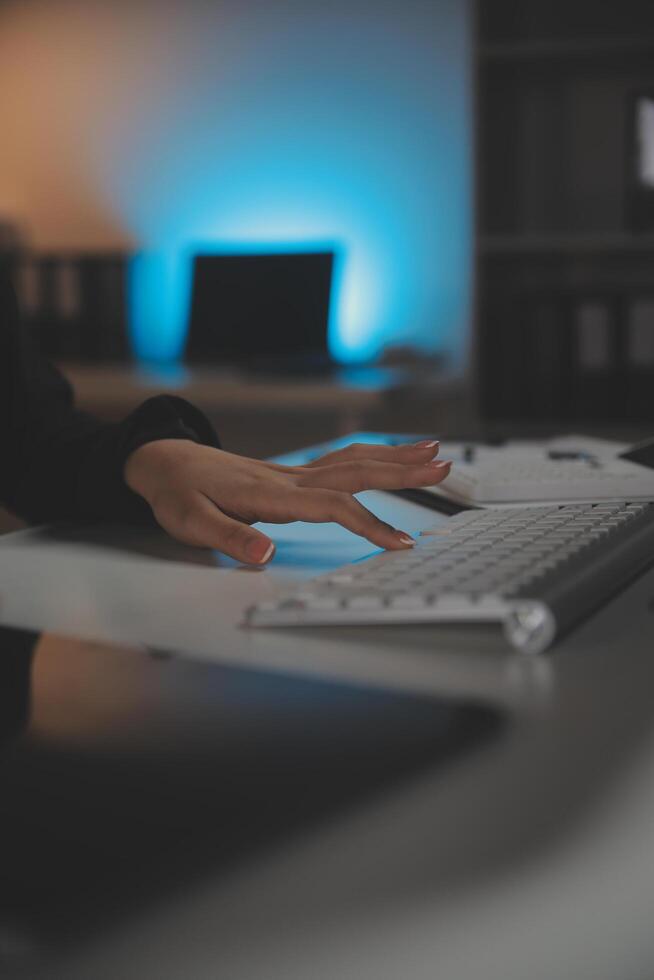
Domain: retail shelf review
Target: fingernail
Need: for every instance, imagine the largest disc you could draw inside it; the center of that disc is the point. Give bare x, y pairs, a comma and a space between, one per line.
440, 464
426, 444
260, 551
405, 538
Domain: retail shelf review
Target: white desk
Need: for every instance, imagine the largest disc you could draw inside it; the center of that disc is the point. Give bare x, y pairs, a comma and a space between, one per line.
139, 587
531, 857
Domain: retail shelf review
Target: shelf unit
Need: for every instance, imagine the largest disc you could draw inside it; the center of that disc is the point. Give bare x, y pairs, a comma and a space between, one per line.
564, 244
580, 51
73, 302
565, 288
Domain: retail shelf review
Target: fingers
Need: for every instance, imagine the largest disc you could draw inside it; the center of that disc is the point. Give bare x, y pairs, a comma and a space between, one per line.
199, 522
419, 452
353, 477
330, 505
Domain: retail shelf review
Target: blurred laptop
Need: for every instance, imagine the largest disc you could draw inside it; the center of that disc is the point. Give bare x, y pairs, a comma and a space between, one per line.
266, 313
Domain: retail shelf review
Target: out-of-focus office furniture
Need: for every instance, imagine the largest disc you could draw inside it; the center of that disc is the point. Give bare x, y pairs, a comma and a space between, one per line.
565, 281
74, 303
257, 350
263, 415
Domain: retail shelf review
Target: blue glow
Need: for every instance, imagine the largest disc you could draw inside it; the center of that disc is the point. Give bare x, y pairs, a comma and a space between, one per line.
160, 292
341, 127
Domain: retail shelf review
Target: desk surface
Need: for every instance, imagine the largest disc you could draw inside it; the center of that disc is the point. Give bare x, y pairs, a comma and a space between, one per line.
530, 854
348, 388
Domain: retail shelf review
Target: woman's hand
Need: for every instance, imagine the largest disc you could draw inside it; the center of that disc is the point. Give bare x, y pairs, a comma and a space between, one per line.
207, 497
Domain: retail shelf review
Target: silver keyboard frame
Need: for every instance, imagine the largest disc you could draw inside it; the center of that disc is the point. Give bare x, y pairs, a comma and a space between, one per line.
530, 624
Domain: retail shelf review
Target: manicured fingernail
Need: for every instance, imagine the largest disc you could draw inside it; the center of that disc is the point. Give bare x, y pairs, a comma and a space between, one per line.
260, 551
405, 538
426, 444
440, 464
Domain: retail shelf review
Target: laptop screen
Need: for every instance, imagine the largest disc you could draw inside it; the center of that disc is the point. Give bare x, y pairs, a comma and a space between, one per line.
248, 308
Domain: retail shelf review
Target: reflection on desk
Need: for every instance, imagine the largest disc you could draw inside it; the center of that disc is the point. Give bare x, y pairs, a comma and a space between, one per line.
137, 776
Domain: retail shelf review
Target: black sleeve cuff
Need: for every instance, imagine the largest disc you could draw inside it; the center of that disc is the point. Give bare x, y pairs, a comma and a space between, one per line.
104, 490
166, 417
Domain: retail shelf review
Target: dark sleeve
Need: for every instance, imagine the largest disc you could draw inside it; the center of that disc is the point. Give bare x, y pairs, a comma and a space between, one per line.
58, 463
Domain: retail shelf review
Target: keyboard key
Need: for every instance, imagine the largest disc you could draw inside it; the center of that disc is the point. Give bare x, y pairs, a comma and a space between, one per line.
409, 601
342, 578
365, 602
321, 602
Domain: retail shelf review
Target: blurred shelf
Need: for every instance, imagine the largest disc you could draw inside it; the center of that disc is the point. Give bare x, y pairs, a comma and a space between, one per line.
517, 244
591, 48
555, 87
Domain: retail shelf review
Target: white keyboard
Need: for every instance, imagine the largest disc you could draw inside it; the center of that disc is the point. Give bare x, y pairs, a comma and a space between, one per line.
536, 570
522, 478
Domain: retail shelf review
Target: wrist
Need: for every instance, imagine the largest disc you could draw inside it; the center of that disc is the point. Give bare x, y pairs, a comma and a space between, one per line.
145, 468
